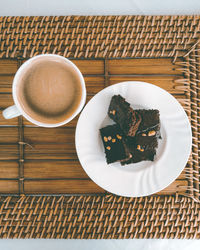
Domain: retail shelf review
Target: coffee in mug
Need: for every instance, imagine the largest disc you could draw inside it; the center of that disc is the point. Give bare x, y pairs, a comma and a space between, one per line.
49, 90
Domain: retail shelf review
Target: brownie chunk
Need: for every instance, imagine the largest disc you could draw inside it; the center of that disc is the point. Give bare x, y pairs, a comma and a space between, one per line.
121, 112
150, 122
143, 146
141, 149
114, 145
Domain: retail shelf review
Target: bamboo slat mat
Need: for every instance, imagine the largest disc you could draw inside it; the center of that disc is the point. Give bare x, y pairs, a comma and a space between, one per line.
162, 50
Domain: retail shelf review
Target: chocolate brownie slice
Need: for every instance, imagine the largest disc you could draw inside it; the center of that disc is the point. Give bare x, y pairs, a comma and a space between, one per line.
121, 112
113, 141
141, 149
150, 122
143, 146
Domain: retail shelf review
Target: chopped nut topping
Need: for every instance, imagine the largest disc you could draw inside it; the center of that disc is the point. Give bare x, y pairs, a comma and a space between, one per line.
151, 133
109, 138
139, 148
119, 137
143, 134
113, 112
113, 140
105, 139
109, 148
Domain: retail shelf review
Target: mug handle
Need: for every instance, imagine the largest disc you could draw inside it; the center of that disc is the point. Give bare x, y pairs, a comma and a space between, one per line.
11, 112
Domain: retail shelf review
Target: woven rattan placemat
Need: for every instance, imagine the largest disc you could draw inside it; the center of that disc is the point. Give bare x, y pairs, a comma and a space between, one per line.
163, 50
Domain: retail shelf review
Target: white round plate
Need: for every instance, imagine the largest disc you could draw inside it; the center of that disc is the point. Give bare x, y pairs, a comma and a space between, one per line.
146, 177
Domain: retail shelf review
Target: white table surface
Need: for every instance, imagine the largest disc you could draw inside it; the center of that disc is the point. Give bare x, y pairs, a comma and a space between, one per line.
101, 7
98, 7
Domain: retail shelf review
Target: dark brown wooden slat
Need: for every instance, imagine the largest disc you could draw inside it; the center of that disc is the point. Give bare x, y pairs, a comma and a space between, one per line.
61, 169
8, 122
90, 67
9, 186
6, 83
81, 186
50, 156
8, 66
8, 169
94, 84
8, 152
61, 186
54, 169
8, 135
6, 100
51, 151
49, 135
142, 66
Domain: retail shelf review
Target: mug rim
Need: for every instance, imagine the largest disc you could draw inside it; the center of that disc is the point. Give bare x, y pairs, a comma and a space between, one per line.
29, 118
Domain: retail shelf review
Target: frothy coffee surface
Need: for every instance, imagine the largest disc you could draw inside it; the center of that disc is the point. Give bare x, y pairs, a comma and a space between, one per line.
50, 90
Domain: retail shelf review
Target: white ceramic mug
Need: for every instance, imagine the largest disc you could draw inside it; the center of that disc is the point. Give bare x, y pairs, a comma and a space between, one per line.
17, 109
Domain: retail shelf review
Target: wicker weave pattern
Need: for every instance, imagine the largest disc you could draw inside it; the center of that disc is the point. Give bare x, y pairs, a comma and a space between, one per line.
97, 36
108, 216
99, 217
192, 65
191, 83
